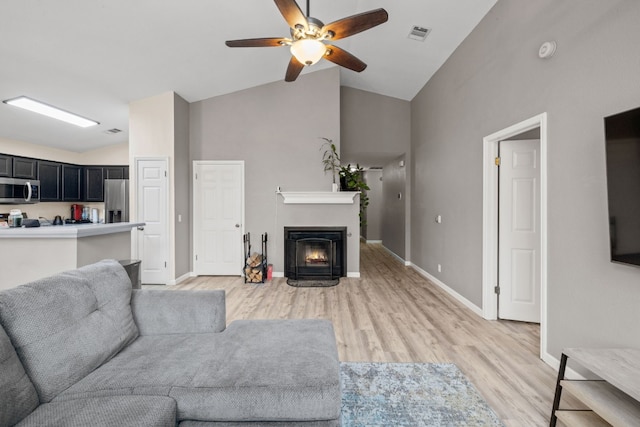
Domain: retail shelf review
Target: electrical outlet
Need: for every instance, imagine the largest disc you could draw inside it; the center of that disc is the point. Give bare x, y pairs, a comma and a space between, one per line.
439, 268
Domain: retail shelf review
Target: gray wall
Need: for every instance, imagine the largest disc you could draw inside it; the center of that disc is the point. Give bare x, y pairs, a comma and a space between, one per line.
182, 173
373, 214
495, 79
394, 183
374, 128
275, 129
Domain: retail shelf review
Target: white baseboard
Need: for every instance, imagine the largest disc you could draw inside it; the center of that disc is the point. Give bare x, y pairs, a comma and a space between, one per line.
396, 256
277, 274
374, 241
471, 306
181, 279
555, 364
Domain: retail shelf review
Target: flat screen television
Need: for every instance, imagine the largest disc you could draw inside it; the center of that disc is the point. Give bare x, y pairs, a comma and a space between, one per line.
622, 135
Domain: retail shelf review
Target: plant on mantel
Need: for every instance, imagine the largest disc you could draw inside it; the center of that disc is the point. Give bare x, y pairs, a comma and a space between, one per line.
351, 179
330, 158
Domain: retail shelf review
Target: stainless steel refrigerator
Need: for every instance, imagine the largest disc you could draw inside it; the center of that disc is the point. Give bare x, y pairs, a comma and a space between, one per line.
116, 200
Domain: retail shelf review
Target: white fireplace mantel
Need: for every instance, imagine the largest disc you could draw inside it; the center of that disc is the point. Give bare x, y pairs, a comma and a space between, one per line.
319, 197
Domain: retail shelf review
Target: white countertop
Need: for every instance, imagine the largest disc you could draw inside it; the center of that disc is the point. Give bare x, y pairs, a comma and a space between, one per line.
67, 231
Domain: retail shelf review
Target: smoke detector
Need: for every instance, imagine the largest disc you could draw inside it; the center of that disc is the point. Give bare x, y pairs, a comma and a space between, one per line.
547, 49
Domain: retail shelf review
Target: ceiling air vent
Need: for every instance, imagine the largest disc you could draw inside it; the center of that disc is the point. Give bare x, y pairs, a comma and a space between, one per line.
375, 168
419, 33
112, 131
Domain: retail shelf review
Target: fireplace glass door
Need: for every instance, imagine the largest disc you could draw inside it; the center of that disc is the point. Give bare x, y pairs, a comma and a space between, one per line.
314, 258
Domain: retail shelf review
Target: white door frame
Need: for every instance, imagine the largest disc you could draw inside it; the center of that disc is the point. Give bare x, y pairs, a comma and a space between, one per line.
133, 189
196, 215
490, 220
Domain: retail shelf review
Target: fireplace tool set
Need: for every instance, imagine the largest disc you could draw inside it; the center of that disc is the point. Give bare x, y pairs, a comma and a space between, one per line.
255, 267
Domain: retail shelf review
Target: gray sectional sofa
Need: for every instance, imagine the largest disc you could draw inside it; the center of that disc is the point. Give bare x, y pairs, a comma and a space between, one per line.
82, 348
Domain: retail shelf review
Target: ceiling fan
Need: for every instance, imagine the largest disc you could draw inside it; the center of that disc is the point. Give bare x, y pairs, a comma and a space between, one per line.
309, 34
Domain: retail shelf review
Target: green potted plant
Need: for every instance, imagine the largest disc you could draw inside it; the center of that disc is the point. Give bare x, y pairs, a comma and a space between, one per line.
330, 160
351, 179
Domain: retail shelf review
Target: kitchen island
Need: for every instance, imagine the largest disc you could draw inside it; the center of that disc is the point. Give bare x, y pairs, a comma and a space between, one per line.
33, 253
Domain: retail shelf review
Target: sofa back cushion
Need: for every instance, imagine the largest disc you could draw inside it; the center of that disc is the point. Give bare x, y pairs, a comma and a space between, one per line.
65, 326
18, 397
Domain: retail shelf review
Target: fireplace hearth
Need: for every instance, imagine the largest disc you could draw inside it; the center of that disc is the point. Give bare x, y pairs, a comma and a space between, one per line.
314, 256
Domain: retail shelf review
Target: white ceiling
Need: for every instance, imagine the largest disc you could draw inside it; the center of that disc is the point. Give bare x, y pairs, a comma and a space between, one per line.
94, 57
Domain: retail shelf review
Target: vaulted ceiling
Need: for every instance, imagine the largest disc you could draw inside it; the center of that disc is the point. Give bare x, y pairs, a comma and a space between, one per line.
94, 57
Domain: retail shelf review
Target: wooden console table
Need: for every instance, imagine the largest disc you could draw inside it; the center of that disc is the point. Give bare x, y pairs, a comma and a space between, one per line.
613, 400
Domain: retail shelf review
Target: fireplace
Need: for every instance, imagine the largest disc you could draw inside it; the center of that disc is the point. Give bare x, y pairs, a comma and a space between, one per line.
315, 254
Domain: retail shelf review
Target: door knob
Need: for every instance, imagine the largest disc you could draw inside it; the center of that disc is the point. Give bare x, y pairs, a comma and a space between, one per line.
141, 228
237, 225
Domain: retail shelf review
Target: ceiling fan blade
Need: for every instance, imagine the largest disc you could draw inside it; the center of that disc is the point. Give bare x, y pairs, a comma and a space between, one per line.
292, 13
263, 42
355, 24
293, 70
344, 59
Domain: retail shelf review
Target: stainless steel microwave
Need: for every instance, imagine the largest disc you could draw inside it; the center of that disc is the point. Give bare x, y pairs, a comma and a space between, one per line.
14, 191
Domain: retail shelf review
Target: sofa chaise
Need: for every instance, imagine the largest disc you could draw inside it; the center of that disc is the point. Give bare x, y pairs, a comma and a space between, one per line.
82, 348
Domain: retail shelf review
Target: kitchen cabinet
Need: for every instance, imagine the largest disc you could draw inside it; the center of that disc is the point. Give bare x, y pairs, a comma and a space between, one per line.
94, 177
25, 168
71, 183
50, 176
6, 166
94, 183
114, 172
62, 181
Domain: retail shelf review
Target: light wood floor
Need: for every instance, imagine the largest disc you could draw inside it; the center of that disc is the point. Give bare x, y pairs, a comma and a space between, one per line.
392, 314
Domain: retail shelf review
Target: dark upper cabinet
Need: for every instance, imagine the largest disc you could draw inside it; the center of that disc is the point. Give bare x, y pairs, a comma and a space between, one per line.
25, 168
114, 172
50, 176
72, 183
6, 165
94, 183
61, 181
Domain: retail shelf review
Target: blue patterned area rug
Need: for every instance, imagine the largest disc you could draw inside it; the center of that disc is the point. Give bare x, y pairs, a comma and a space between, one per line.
411, 394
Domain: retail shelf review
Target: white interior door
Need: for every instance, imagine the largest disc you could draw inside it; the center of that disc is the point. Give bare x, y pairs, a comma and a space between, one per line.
519, 231
152, 206
218, 206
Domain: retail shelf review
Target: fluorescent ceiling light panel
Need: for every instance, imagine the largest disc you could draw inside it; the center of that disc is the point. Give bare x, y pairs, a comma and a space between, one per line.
48, 110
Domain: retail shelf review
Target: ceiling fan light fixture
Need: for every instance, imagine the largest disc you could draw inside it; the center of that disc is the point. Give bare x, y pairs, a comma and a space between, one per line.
308, 35
308, 51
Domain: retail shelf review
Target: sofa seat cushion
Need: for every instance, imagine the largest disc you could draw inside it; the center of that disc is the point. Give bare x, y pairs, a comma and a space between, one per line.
277, 370
65, 326
109, 411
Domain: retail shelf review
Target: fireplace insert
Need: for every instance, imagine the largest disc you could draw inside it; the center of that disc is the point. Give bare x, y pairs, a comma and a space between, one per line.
315, 253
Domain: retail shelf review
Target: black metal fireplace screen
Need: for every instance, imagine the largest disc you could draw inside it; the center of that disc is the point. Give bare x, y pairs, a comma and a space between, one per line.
315, 253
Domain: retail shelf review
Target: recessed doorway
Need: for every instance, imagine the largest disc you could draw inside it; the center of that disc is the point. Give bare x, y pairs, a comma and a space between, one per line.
491, 221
